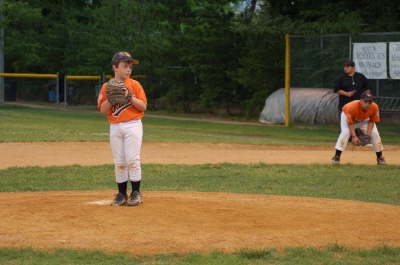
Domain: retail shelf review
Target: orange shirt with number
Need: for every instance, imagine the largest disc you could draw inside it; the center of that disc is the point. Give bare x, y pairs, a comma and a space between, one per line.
123, 113
355, 113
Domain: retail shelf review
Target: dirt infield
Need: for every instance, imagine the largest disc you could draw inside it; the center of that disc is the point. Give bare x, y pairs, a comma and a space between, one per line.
95, 153
186, 221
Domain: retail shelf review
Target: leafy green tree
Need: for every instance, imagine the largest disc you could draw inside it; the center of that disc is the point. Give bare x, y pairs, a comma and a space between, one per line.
198, 55
209, 48
260, 67
23, 43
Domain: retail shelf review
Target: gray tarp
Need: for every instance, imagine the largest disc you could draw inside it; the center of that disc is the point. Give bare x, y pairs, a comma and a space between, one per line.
310, 105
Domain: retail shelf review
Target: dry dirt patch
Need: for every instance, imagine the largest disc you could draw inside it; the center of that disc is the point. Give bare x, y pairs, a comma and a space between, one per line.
97, 153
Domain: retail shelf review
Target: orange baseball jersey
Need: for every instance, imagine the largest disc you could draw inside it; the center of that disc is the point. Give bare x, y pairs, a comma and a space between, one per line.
123, 113
354, 112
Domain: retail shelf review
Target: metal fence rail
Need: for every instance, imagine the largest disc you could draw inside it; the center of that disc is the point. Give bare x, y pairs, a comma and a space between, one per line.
44, 76
29, 75
57, 76
95, 77
388, 104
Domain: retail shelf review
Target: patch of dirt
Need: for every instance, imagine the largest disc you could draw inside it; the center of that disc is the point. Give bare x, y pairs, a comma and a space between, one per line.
97, 153
191, 221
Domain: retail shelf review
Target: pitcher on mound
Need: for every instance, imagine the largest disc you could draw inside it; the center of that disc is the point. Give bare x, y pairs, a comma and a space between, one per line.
124, 102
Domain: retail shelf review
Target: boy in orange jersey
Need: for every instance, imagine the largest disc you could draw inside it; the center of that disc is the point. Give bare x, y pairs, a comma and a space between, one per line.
126, 130
362, 114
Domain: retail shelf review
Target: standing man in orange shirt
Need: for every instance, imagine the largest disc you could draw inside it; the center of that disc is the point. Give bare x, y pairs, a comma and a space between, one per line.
362, 114
126, 130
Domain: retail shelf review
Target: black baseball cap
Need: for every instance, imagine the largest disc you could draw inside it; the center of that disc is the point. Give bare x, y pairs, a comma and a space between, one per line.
123, 57
349, 63
367, 96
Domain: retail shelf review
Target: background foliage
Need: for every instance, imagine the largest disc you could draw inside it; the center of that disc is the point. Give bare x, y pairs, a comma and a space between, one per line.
198, 55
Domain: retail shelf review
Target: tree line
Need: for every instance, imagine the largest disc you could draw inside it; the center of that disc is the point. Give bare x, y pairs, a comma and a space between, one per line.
198, 55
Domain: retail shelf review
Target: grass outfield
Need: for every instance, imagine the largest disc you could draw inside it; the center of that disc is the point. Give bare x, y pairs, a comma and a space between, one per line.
334, 255
20, 124
363, 183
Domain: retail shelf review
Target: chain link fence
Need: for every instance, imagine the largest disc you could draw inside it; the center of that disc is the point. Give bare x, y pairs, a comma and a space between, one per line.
68, 90
317, 60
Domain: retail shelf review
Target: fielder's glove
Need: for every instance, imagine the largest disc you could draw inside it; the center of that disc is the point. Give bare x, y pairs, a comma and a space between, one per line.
364, 138
116, 92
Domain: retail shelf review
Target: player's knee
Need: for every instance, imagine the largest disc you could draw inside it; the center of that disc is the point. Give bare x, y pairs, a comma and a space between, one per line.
135, 174
133, 163
375, 131
135, 171
120, 167
375, 135
345, 132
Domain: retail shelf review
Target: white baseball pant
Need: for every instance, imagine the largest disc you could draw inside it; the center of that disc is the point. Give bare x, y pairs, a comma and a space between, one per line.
126, 144
363, 125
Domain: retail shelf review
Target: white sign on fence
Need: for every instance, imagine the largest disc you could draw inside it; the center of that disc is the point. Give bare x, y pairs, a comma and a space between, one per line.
370, 59
394, 60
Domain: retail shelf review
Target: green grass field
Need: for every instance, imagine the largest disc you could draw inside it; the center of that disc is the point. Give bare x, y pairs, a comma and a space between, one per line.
363, 183
19, 124
332, 255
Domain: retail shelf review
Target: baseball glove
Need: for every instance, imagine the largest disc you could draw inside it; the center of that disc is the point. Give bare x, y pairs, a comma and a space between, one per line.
364, 139
116, 91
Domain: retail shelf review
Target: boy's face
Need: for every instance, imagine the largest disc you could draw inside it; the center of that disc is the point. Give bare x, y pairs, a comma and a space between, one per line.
365, 104
123, 70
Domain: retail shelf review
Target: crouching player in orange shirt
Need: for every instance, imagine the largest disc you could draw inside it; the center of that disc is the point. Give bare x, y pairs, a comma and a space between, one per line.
362, 114
126, 130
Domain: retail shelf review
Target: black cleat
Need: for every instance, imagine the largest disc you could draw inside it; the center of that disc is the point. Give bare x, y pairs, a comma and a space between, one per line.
119, 200
381, 161
335, 160
135, 198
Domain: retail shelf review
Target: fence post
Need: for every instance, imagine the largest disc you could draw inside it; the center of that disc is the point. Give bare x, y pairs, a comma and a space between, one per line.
350, 46
287, 80
58, 88
65, 91
2, 85
377, 87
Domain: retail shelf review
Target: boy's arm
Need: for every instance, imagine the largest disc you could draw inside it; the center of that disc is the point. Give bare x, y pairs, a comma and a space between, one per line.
105, 107
138, 98
139, 104
102, 101
354, 138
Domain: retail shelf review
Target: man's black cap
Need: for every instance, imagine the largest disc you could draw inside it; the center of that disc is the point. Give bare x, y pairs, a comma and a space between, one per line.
123, 57
349, 63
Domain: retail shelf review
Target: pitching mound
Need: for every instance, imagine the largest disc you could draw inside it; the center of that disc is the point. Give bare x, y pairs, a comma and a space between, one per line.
188, 221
